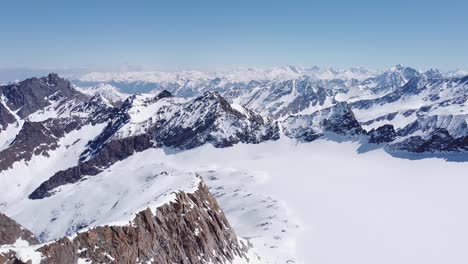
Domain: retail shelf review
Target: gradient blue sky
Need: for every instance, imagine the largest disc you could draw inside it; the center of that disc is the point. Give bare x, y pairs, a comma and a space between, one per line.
221, 34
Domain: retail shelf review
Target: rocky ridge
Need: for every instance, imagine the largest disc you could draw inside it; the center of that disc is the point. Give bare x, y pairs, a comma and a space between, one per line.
190, 229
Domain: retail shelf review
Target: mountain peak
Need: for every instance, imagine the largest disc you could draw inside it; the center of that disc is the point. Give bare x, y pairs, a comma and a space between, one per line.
397, 67
53, 76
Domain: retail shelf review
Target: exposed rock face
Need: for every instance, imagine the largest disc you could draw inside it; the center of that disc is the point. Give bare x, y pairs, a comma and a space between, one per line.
211, 119
113, 151
438, 140
11, 235
192, 229
10, 232
383, 134
118, 120
208, 118
434, 134
6, 118
338, 119
34, 94
36, 138
47, 109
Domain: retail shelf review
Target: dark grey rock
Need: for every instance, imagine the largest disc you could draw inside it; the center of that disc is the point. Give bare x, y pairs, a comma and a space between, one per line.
383, 134
11, 231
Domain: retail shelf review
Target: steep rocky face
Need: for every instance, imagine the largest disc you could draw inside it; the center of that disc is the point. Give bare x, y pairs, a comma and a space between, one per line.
385, 133
36, 138
119, 118
13, 235
191, 229
211, 119
439, 140
11, 232
205, 119
112, 152
6, 118
433, 134
338, 119
34, 94
44, 110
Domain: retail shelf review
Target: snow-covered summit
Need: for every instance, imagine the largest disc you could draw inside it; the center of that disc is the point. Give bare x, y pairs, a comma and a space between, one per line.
107, 91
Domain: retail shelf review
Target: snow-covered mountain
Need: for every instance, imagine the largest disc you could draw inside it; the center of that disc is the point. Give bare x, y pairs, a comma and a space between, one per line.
97, 157
398, 96
107, 91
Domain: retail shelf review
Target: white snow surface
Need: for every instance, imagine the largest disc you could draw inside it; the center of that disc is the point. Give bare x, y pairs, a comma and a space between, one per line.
350, 207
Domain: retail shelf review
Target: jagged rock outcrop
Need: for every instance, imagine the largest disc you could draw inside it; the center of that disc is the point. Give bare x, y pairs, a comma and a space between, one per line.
434, 134
36, 138
118, 120
338, 119
47, 109
13, 235
438, 140
6, 118
211, 119
10, 232
190, 229
383, 134
208, 118
112, 152
34, 94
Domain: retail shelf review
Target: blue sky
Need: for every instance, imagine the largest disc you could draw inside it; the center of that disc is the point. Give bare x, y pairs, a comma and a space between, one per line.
209, 34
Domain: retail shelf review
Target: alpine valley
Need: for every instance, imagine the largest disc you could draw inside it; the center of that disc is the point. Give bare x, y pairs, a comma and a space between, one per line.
280, 165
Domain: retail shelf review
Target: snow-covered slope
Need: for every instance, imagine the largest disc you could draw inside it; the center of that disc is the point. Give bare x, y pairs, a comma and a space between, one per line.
330, 202
111, 197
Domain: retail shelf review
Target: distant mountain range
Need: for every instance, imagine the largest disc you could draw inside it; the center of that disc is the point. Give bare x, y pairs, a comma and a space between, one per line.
405, 99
